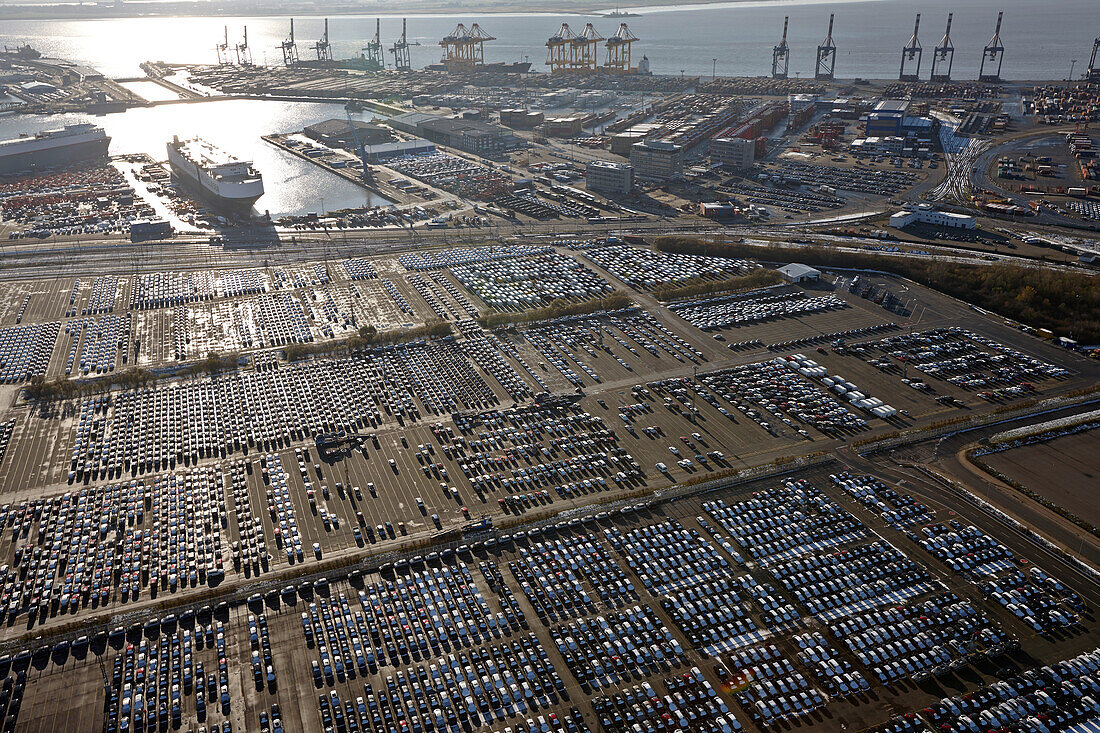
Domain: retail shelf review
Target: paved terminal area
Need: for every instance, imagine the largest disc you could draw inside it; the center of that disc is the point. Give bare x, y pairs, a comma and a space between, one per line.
746, 607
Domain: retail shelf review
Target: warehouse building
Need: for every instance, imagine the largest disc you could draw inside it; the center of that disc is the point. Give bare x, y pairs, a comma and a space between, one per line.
925, 214
336, 133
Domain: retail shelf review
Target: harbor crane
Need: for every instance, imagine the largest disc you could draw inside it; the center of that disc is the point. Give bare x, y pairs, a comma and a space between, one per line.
360, 148
322, 47
465, 48
559, 49
224, 58
400, 50
993, 53
244, 53
290, 48
826, 56
585, 53
376, 57
1094, 63
781, 54
909, 52
944, 53
618, 50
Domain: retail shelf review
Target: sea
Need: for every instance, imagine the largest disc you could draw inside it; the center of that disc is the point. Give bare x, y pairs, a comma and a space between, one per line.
1043, 40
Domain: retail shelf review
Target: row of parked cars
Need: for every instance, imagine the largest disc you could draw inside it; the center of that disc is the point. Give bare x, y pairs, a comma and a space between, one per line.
760, 305
472, 688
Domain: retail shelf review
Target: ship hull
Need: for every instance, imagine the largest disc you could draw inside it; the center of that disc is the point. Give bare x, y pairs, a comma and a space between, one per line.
36, 160
191, 181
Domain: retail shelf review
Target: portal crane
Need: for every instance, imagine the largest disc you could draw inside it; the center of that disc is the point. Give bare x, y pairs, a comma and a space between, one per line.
943, 54
559, 49
826, 56
290, 48
323, 48
909, 52
618, 50
376, 58
781, 55
993, 53
400, 50
584, 49
224, 58
244, 53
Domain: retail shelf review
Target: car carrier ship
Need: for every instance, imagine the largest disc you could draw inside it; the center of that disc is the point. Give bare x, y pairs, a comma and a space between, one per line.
53, 148
214, 175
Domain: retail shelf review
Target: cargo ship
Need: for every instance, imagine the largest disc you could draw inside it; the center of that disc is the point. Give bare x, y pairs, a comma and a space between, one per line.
52, 148
214, 175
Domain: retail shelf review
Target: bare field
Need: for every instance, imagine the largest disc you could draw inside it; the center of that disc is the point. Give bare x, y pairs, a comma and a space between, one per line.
1065, 470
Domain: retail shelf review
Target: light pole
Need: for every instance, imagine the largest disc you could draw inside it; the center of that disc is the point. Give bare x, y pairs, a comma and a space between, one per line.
1072, 63
713, 69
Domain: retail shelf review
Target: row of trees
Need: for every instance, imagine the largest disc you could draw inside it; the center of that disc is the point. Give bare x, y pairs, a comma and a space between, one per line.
557, 309
701, 286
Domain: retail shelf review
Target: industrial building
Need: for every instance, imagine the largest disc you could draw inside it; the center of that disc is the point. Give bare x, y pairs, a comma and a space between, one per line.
608, 177
471, 136
521, 119
925, 214
336, 133
799, 273
733, 152
657, 160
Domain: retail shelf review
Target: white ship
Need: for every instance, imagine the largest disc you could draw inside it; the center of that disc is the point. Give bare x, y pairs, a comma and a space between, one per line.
215, 175
71, 144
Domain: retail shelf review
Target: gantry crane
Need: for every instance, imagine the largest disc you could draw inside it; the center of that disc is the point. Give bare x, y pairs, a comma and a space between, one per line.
323, 48
943, 54
781, 55
289, 47
376, 57
559, 49
826, 56
1094, 62
465, 49
400, 49
244, 53
224, 59
994, 53
910, 52
585, 45
618, 50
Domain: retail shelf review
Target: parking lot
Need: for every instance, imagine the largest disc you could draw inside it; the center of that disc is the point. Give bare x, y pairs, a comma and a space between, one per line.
805, 602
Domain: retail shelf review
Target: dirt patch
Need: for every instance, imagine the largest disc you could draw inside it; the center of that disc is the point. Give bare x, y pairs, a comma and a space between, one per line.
1065, 470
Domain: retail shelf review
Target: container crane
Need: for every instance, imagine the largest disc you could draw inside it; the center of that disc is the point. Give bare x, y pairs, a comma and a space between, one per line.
465, 48
943, 54
584, 49
376, 57
224, 58
244, 53
1094, 62
826, 56
289, 47
323, 48
400, 50
909, 52
559, 55
618, 50
993, 53
781, 54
